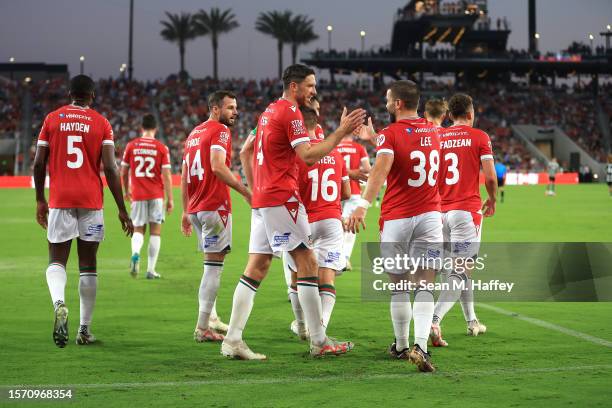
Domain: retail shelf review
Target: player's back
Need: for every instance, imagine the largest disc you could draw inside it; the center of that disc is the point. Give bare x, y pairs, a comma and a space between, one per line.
206, 192
411, 182
146, 158
75, 136
353, 153
320, 186
461, 150
279, 130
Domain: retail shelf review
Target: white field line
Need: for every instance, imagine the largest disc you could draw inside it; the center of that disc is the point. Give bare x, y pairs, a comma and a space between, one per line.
550, 326
293, 380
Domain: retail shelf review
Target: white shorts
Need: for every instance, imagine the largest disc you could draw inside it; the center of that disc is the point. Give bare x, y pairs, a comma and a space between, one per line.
65, 224
349, 205
278, 229
214, 234
328, 242
419, 237
147, 212
462, 231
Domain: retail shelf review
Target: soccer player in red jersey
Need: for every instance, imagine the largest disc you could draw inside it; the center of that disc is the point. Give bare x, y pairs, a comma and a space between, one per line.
463, 150
407, 157
207, 207
146, 174
73, 141
358, 164
321, 188
278, 220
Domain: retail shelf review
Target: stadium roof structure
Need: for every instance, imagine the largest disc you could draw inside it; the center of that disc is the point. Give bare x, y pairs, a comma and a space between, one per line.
401, 66
33, 70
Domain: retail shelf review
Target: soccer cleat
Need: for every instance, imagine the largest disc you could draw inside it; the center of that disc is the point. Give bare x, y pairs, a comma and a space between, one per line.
435, 335
475, 328
239, 351
153, 275
299, 330
84, 336
348, 266
330, 347
134, 265
421, 359
217, 325
201, 336
400, 355
60, 326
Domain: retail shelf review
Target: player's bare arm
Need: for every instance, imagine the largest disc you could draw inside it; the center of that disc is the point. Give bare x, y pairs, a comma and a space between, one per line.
223, 173
40, 174
379, 173
125, 178
488, 168
167, 176
346, 190
185, 223
246, 158
114, 184
311, 154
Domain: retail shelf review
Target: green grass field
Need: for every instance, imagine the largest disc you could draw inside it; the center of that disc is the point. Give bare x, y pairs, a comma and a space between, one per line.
147, 357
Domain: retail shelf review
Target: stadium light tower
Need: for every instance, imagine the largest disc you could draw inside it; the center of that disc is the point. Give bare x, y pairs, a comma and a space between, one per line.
82, 60
362, 34
12, 59
329, 34
591, 38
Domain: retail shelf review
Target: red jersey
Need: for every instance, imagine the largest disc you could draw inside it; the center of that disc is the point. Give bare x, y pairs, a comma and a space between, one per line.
146, 157
206, 192
319, 132
279, 130
461, 150
411, 183
75, 136
320, 186
353, 154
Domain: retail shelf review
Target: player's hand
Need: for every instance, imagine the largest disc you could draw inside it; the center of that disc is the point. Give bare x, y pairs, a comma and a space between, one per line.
488, 207
126, 223
169, 206
367, 132
357, 218
185, 225
42, 211
247, 195
350, 122
358, 174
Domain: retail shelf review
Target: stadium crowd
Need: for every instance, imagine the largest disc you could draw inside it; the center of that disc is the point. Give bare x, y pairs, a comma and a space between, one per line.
180, 106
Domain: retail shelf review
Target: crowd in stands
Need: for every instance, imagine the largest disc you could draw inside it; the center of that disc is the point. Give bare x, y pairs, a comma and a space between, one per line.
180, 106
10, 101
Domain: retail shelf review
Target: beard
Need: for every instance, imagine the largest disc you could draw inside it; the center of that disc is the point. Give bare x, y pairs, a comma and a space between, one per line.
229, 121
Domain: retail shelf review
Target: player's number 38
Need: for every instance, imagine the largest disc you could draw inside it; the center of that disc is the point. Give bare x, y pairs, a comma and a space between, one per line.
434, 164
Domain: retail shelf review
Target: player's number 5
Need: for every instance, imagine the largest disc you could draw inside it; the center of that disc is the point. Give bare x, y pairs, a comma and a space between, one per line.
72, 149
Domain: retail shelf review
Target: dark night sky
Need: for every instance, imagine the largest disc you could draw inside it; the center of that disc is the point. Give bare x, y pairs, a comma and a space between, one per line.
59, 31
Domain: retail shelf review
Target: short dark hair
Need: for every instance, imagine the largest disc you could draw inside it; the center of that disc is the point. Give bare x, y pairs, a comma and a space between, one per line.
296, 73
82, 87
310, 117
460, 104
436, 107
149, 122
406, 91
216, 98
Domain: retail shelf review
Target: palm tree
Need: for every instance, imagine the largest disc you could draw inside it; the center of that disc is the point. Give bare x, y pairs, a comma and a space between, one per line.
179, 29
214, 23
275, 24
300, 32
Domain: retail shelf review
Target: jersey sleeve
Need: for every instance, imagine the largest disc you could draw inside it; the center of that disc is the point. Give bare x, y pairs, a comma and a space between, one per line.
165, 163
296, 130
43, 136
384, 142
221, 140
107, 138
127, 155
485, 149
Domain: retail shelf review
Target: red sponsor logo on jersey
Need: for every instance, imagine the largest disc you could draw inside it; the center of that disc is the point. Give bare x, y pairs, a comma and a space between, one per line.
292, 207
